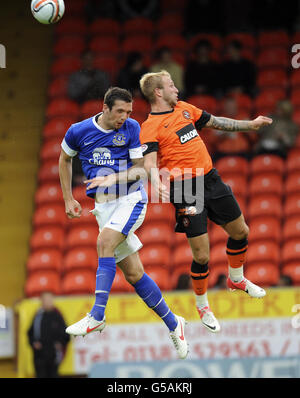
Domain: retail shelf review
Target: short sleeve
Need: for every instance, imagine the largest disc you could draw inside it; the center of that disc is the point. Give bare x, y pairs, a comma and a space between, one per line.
69, 143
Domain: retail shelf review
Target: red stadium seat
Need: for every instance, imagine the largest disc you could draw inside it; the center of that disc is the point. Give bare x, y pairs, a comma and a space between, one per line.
76, 8
47, 237
273, 57
120, 285
108, 63
79, 193
65, 65
215, 272
173, 41
246, 39
273, 77
267, 163
206, 102
161, 276
140, 105
213, 39
91, 108
291, 228
58, 87
50, 214
291, 252
160, 212
44, 259
263, 251
294, 98
217, 235
71, 26
48, 171
296, 116
293, 271
264, 228
273, 39
48, 193
266, 183
69, 45
218, 255
293, 161
81, 257
156, 232
108, 46
79, 282
82, 236
292, 205
171, 23
231, 165
235, 144
295, 78
135, 43
264, 205
138, 26
292, 183
264, 274
42, 281
182, 255
157, 254
265, 102
57, 127
105, 27
238, 183
50, 149
62, 108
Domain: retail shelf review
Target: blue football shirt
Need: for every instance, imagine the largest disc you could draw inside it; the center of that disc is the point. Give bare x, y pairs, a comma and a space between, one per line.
103, 152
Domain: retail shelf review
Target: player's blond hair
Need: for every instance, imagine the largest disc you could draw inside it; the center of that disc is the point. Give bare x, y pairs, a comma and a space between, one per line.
150, 81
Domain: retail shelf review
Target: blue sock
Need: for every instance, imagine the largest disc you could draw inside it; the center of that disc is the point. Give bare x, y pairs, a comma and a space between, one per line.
148, 290
104, 278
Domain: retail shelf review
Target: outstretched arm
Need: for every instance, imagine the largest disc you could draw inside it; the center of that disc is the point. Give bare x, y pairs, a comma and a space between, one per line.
226, 124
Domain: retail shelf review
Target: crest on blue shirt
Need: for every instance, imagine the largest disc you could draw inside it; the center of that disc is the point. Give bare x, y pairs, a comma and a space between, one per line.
119, 139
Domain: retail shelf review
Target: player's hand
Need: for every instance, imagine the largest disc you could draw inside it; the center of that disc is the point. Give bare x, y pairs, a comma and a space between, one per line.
101, 181
261, 121
73, 208
161, 192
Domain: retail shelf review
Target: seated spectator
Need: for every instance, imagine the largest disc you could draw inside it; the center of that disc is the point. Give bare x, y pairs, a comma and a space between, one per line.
221, 282
201, 72
284, 280
88, 83
130, 75
239, 74
280, 136
165, 61
184, 282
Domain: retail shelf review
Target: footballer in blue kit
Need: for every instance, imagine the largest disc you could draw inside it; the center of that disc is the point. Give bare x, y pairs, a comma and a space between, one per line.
109, 149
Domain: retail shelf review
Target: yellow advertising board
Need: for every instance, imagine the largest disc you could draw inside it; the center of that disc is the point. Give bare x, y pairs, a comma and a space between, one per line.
130, 309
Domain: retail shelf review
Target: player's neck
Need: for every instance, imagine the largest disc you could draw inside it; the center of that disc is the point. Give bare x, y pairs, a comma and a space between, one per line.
102, 123
158, 107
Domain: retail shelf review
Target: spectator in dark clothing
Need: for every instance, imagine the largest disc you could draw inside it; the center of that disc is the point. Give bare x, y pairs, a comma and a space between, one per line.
47, 338
130, 75
201, 73
239, 73
138, 8
101, 9
88, 83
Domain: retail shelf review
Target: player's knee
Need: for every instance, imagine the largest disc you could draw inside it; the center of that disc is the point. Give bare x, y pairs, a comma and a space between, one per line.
105, 245
200, 257
241, 233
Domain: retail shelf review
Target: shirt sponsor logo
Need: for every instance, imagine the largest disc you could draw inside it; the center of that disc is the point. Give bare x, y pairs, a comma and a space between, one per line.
187, 133
102, 157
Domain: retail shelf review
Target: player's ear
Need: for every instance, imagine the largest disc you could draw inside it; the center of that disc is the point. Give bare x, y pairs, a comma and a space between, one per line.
158, 91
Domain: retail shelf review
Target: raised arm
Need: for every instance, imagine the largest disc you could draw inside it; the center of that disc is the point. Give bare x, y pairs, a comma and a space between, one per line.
226, 124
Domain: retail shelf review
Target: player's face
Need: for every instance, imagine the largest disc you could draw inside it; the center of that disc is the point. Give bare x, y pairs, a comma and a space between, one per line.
118, 114
170, 92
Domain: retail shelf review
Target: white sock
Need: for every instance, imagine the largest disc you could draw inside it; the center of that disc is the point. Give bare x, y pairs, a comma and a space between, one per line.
236, 274
201, 300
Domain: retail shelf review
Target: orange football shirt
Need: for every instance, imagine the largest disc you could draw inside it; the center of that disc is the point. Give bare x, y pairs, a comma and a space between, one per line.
179, 144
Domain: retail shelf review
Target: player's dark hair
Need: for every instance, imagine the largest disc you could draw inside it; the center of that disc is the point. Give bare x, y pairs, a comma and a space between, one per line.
116, 93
